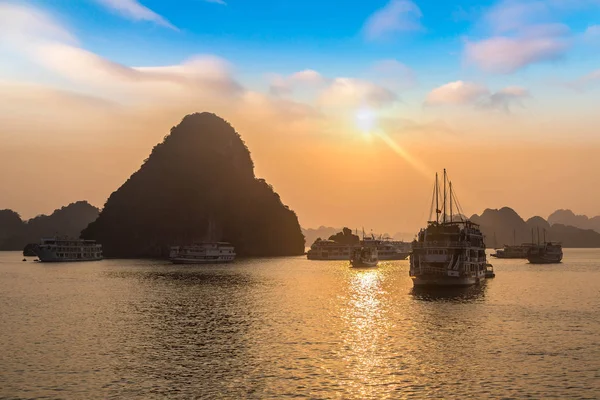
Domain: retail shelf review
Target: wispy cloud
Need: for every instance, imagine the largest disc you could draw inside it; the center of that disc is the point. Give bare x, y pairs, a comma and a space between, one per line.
222, 2
396, 16
135, 11
523, 33
474, 94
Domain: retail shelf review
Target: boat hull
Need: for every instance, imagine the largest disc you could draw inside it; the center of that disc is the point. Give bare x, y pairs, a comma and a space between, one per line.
198, 261
363, 264
445, 281
544, 260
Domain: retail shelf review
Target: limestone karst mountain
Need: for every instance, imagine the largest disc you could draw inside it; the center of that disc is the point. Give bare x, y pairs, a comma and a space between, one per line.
197, 185
65, 221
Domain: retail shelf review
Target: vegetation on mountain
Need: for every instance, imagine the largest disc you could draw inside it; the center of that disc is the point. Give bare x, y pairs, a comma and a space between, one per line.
345, 237
67, 221
198, 184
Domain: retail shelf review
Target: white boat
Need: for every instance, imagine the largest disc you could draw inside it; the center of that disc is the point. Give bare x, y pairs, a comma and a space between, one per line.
388, 249
364, 257
329, 250
67, 250
448, 252
203, 253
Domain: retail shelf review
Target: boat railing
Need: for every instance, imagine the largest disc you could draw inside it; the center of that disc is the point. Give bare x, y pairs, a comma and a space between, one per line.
438, 244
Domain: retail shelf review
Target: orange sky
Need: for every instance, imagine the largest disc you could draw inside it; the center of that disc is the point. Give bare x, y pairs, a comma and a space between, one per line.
356, 150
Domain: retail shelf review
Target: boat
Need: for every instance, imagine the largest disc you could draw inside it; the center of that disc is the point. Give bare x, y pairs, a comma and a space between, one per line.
489, 271
544, 252
203, 253
387, 249
329, 250
450, 251
364, 257
514, 250
67, 250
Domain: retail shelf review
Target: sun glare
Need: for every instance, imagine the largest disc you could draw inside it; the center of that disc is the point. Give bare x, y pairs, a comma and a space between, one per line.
365, 121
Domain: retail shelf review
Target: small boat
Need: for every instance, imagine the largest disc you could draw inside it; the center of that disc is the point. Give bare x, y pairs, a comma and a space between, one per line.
489, 271
545, 253
203, 253
364, 257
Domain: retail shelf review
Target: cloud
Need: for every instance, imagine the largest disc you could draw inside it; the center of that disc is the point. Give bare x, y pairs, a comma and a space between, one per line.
285, 85
585, 81
503, 99
20, 24
394, 74
458, 92
523, 34
469, 93
132, 9
216, 2
592, 33
396, 16
350, 92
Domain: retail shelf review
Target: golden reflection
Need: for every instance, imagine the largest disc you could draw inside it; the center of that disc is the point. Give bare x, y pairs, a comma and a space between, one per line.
365, 329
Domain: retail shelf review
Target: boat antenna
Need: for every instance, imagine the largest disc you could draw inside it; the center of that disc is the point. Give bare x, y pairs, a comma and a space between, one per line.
444, 216
431, 206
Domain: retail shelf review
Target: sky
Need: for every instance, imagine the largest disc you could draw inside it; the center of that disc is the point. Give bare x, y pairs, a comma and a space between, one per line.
348, 108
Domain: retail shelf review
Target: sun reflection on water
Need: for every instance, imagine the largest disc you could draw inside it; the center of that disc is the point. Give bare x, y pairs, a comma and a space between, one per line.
365, 328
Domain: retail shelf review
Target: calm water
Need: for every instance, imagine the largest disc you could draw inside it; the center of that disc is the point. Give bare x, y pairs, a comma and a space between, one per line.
289, 327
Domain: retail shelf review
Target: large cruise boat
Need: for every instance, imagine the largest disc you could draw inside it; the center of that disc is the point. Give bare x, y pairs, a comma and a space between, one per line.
332, 250
450, 251
65, 250
203, 253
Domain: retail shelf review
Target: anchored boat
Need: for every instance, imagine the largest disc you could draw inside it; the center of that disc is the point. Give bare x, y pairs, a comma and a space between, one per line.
364, 257
450, 251
67, 250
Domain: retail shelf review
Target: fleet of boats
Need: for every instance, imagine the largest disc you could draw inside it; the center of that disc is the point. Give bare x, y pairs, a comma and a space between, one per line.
331, 250
449, 251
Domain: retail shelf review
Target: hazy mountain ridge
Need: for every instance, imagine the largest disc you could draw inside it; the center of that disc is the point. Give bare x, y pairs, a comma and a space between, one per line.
198, 184
65, 221
568, 217
505, 226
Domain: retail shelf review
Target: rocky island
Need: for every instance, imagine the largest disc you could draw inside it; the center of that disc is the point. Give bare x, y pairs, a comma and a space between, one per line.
197, 185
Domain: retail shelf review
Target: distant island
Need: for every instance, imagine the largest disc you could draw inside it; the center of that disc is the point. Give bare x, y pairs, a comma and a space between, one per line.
568, 217
69, 221
505, 226
197, 185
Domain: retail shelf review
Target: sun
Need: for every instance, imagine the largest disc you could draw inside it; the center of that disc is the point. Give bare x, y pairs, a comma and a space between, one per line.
365, 121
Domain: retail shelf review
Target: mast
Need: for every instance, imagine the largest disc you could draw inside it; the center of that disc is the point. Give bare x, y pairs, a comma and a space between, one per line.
544, 235
444, 217
450, 201
437, 199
